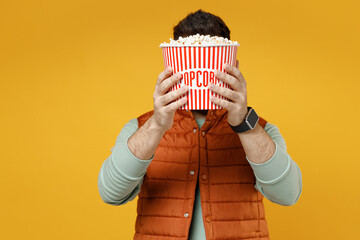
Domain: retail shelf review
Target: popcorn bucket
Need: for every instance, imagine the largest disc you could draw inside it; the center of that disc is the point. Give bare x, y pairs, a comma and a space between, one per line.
197, 65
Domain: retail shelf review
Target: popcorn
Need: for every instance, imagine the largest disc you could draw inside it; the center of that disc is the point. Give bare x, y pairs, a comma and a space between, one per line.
196, 58
198, 39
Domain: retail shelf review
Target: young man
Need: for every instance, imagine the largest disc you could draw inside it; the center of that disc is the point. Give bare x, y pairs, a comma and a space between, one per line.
200, 174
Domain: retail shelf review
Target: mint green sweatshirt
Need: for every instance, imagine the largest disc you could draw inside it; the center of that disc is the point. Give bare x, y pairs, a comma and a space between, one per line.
121, 175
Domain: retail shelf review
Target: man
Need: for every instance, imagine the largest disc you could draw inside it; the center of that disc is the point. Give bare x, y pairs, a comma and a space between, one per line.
200, 174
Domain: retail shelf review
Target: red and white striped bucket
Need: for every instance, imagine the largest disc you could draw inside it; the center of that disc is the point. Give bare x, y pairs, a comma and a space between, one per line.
197, 65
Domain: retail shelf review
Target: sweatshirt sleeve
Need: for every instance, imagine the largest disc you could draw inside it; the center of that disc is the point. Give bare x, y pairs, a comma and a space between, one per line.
279, 178
121, 174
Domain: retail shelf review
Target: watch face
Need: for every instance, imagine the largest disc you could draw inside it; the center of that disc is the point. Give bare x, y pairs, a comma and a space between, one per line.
252, 118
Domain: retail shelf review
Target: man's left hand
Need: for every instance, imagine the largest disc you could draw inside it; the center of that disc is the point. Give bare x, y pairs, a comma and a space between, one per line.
237, 103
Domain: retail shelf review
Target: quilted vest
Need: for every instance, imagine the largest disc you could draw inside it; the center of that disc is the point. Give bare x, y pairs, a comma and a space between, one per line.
213, 155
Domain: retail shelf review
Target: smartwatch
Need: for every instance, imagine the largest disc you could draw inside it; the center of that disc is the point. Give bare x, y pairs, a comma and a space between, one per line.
250, 121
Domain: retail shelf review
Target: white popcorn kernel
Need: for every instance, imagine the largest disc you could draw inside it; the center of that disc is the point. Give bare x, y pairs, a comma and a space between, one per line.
198, 39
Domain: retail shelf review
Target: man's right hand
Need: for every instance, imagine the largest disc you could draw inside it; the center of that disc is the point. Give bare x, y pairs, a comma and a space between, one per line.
164, 108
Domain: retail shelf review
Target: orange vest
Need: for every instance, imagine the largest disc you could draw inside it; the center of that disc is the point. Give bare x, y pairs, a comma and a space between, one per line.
213, 155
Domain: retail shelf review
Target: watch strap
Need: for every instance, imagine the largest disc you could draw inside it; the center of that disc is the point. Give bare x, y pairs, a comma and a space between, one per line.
245, 125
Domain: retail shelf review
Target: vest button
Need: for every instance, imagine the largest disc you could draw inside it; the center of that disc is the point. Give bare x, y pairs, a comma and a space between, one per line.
194, 130
192, 172
203, 133
208, 219
204, 176
186, 214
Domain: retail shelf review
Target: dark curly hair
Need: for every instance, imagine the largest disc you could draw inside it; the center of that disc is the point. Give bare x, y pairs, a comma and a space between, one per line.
203, 23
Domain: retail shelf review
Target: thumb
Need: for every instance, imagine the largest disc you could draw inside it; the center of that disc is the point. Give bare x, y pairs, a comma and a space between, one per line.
237, 63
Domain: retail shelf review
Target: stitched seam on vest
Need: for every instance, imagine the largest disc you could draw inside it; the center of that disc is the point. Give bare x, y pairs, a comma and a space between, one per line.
141, 219
223, 148
212, 133
215, 220
235, 220
222, 165
208, 172
179, 180
257, 197
161, 216
171, 236
168, 179
211, 149
162, 235
167, 197
229, 165
235, 201
231, 183
266, 237
175, 146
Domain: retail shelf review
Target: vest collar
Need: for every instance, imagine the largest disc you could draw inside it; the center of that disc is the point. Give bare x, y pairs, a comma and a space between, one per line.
215, 114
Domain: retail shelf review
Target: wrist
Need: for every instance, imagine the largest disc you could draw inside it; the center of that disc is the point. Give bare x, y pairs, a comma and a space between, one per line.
154, 127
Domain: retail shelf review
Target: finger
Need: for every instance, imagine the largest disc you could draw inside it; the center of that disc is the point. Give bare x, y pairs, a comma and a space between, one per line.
233, 82
169, 82
235, 72
175, 105
237, 63
164, 74
222, 103
170, 96
225, 92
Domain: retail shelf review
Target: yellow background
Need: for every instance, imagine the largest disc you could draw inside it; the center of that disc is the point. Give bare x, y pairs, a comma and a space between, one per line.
74, 72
